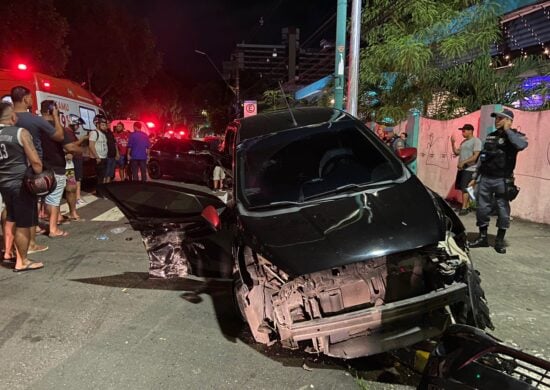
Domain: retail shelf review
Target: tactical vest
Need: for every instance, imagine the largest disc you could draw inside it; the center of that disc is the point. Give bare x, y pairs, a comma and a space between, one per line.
498, 157
13, 161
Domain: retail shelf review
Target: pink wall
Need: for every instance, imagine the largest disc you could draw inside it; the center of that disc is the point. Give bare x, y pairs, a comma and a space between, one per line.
437, 165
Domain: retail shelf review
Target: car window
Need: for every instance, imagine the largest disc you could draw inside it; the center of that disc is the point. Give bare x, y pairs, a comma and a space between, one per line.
167, 146
293, 165
200, 146
184, 147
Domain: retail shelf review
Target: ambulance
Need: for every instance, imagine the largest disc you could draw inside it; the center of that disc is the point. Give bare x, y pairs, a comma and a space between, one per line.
71, 98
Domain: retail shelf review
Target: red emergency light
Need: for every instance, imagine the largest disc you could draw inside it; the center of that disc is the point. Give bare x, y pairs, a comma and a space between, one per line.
150, 125
46, 84
22, 66
182, 132
171, 132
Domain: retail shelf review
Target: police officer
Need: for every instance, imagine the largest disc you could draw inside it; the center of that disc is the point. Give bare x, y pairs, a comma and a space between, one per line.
394, 141
494, 177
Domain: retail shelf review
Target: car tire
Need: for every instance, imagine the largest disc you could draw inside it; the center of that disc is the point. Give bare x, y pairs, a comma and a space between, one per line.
154, 170
475, 312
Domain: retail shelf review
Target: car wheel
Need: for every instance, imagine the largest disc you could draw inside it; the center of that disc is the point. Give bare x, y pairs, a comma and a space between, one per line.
154, 170
475, 312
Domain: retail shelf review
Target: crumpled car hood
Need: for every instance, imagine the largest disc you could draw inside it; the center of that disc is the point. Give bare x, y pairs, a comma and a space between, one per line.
346, 230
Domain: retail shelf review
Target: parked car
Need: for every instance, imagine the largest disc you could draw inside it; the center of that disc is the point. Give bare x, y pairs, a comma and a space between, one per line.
333, 244
185, 159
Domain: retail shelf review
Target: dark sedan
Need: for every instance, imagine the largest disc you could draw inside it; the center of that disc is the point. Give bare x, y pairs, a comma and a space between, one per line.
182, 159
333, 244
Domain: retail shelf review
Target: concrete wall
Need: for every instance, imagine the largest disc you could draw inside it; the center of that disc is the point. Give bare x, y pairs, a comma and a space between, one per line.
436, 164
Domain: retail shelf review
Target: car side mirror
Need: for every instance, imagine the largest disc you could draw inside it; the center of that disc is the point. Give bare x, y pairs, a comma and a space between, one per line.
211, 215
407, 155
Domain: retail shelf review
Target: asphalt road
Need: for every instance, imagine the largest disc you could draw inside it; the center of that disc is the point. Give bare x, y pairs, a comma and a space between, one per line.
91, 319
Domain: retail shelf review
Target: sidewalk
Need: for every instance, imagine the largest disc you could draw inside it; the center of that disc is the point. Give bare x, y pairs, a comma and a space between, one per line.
517, 284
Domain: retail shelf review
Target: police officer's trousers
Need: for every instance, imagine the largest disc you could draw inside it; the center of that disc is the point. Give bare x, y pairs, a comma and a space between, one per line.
489, 190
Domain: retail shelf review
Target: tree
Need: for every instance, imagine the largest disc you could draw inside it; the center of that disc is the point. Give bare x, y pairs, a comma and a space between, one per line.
470, 85
411, 43
113, 52
33, 31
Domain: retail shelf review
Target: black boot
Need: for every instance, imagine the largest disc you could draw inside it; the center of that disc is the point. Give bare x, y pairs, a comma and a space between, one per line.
481, 241
499, 241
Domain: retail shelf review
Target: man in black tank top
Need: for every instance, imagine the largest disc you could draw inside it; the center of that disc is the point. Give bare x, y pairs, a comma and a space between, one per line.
16, 152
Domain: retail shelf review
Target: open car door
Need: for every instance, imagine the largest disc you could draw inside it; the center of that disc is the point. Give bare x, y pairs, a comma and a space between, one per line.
184, 230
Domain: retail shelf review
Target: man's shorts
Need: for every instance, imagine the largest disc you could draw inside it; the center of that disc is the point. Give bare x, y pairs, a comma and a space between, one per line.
121, 162
219, 173
20, 206
54, 199
101, 168
110, 167
78, 168
462, 180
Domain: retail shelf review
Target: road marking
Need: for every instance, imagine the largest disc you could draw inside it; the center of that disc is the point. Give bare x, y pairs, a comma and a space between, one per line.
87, 198
111, 215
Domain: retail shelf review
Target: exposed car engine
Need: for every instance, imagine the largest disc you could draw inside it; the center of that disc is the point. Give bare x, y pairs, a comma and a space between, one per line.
275, 305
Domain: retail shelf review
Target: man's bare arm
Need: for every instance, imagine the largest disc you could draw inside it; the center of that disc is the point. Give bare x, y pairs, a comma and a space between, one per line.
73, 148
30, 151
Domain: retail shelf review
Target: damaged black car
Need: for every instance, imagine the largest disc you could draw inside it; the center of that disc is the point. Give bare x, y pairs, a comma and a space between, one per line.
334, 246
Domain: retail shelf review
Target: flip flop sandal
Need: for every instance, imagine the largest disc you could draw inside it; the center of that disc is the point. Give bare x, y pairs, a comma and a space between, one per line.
42, 249
29, 267
60, 235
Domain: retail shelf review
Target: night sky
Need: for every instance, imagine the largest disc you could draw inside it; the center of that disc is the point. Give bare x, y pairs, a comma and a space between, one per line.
216, 26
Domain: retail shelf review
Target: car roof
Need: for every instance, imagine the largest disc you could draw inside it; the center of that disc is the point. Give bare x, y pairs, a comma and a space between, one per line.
272, 122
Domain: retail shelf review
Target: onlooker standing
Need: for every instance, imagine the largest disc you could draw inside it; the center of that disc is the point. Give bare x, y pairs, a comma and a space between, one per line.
16, 149
112, 155
23, 102
54, 158
98, 146
122, 136
468, 152
495, 177
393, 140
73, 179
78, 163
138, 152
218, 177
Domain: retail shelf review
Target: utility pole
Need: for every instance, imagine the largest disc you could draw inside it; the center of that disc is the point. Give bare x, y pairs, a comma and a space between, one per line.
353, 69
340, 57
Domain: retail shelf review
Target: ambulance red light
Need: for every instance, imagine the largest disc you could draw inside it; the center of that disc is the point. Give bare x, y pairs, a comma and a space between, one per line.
150, 125
22, 66
46, 84
182, 132
171, 132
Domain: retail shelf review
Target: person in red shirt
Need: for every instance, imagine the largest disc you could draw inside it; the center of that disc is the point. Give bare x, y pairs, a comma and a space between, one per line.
121, 137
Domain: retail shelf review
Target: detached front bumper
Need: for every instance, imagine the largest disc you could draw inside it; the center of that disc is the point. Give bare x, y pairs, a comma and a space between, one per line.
377, 329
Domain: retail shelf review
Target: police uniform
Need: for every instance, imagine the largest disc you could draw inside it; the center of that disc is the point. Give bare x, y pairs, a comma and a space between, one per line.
494, 177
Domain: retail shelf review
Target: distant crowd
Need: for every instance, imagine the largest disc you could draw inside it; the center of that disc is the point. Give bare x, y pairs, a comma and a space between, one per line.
40, 160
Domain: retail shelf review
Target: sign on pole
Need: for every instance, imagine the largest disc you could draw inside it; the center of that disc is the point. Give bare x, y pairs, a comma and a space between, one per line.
250, 108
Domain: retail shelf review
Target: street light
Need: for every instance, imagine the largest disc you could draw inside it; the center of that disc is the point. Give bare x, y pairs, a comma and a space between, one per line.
218, 71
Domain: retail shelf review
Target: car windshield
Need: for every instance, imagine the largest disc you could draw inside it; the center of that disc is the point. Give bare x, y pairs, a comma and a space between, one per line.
297, 165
